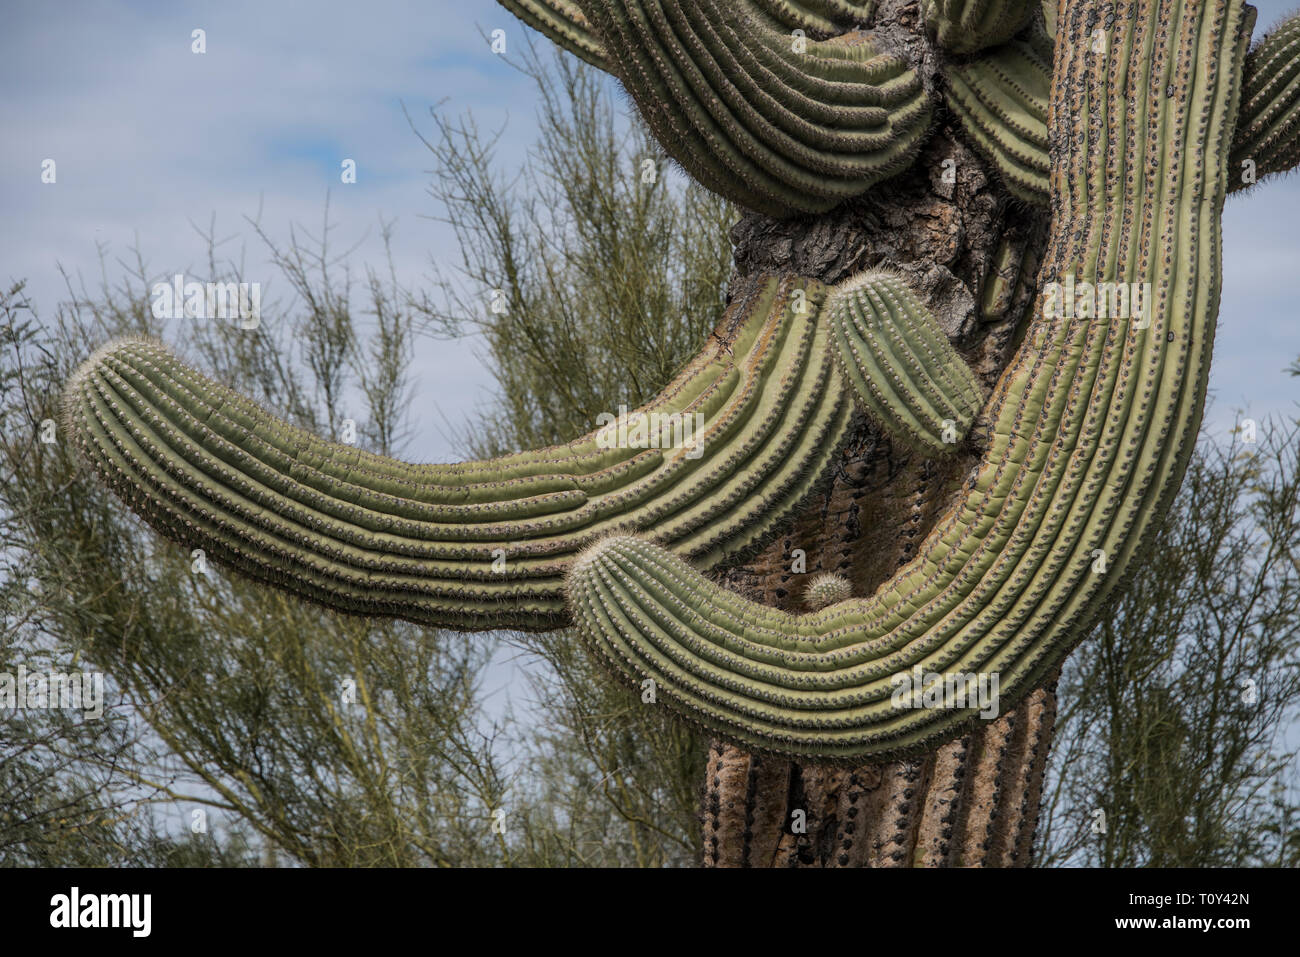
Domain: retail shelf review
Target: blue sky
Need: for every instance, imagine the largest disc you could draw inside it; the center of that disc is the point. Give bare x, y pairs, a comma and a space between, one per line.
150, 138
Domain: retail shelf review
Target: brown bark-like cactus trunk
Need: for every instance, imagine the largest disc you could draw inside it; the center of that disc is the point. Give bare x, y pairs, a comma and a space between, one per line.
972, 803
972, 253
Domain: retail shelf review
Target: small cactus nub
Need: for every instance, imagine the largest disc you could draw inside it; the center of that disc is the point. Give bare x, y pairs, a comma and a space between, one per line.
827, 589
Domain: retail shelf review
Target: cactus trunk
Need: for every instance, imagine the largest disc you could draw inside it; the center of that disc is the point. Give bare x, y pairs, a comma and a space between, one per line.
968, 253
972, 801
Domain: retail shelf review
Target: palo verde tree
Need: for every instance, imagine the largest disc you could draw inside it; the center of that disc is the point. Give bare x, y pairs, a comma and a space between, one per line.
925, 383
240, 724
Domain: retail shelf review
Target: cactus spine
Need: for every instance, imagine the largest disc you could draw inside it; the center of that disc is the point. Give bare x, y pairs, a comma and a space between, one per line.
1092, 425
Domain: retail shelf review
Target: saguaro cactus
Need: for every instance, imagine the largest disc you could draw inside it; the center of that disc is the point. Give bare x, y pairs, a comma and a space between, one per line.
1010, 451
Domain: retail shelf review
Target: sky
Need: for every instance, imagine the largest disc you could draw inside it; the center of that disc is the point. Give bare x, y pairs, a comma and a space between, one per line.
151, 138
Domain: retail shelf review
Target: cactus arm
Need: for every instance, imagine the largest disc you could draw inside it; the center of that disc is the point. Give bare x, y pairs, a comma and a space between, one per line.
827, 589
367, 534
563, 22
821, 17
1268, 131
773, 129
1092, 426
906, 374
765, 150
1001, 101
1015, 265
968, 26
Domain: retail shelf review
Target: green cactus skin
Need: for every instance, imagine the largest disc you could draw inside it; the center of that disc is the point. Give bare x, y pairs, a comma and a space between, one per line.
1015, 265
210, 469
908, 377
1092, 425
820, 17
968, 26
775, 130
562, 22
1001, 100
827, 589
1268, 131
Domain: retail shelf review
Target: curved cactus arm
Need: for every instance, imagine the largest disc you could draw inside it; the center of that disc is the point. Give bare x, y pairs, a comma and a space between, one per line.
776, 123
822, 17
1001, 101
1092, 426
714, 464
1268, 131
968, 26
907, 376
563, 22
